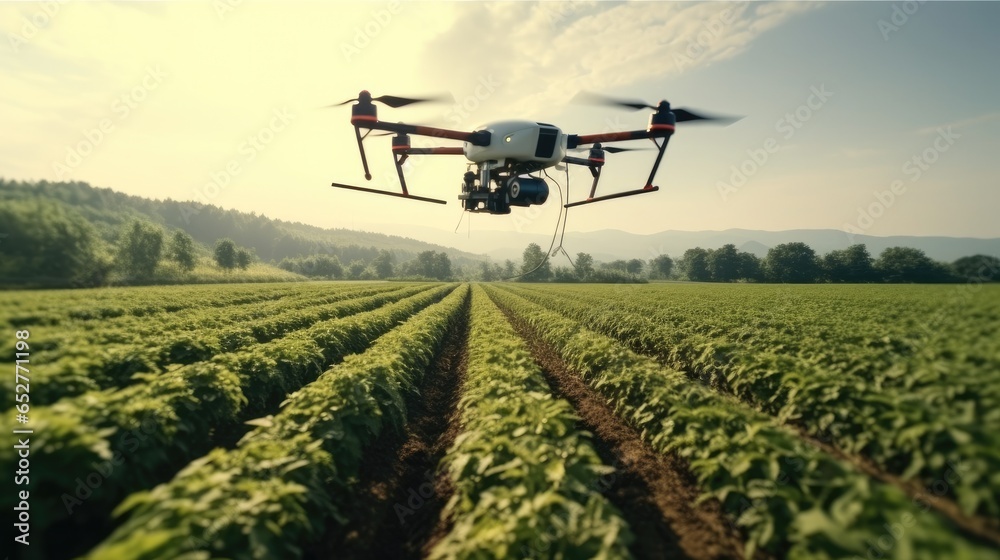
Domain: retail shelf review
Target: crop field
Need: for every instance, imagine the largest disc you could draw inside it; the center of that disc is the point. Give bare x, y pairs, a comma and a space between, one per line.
434, 420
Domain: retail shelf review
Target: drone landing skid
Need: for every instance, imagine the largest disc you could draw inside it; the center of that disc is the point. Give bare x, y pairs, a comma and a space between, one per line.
611, 196
400, 195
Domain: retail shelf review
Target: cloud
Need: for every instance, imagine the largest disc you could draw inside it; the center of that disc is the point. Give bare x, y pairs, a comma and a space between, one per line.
963, 123
545, 52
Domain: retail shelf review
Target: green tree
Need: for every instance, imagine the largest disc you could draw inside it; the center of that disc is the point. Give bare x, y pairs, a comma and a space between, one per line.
326, 266
243, 258
534, 265
225, 253
906, 264
694, 265
488, 271
565, 274
442, 266
383, 264
584, 265
662, 266
853, 264
356, 269
509, 268
724, 264
46, 242
424, 265
140, 247
750, 267
620, 265
977, 268
182, 250
634, 266
791, 262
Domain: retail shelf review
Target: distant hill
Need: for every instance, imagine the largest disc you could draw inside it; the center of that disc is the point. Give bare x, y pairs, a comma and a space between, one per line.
272, 240
607, 245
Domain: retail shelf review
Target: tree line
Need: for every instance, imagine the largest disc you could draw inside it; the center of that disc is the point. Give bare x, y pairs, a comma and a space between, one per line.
786, 263
271, 240
428, 265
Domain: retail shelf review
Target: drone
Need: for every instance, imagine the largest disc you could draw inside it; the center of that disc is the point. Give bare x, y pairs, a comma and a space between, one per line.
509, 154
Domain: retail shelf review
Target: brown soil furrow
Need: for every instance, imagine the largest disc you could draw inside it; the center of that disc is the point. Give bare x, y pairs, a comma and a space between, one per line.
400, 494
980, 527
656, 493
987, 530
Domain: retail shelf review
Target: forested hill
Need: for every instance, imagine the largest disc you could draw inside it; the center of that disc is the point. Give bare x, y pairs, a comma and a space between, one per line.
272, 240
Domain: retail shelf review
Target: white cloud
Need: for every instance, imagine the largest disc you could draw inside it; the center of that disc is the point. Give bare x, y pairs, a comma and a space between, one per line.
547, 51
962, 123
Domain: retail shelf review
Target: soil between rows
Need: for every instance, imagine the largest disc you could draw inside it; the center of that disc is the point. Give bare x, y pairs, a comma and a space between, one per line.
656, 493
982, 528
400, 496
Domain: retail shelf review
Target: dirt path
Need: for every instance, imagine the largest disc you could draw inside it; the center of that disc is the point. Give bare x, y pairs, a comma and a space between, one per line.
399, 498
656, 493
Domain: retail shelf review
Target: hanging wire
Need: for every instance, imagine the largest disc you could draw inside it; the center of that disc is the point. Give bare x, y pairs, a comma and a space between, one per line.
559, 218
562, 236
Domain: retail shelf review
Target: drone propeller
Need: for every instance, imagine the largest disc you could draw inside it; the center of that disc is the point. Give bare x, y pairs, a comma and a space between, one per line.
682, 115
394, 101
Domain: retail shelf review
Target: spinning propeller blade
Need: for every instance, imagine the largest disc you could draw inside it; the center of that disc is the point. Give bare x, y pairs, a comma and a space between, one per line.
682, 115
595, 99
396, 101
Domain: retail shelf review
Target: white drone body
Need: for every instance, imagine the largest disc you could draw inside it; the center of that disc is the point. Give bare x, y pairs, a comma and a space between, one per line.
508, 155
521, 141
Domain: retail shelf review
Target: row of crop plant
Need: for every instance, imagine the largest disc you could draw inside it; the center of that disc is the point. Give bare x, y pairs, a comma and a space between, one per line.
292, 474
948, 421
526, 479
789, 497
139, 435
93, 366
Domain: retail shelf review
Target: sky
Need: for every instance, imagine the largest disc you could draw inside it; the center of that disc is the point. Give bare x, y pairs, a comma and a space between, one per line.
879, 118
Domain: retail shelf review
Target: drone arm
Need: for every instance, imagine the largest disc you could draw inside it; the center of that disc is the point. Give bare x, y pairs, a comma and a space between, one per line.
478, 138
443, 151
595, 170
576, 160
656, 131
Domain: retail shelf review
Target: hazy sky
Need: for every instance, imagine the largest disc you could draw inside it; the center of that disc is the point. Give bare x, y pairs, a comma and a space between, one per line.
219, 101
